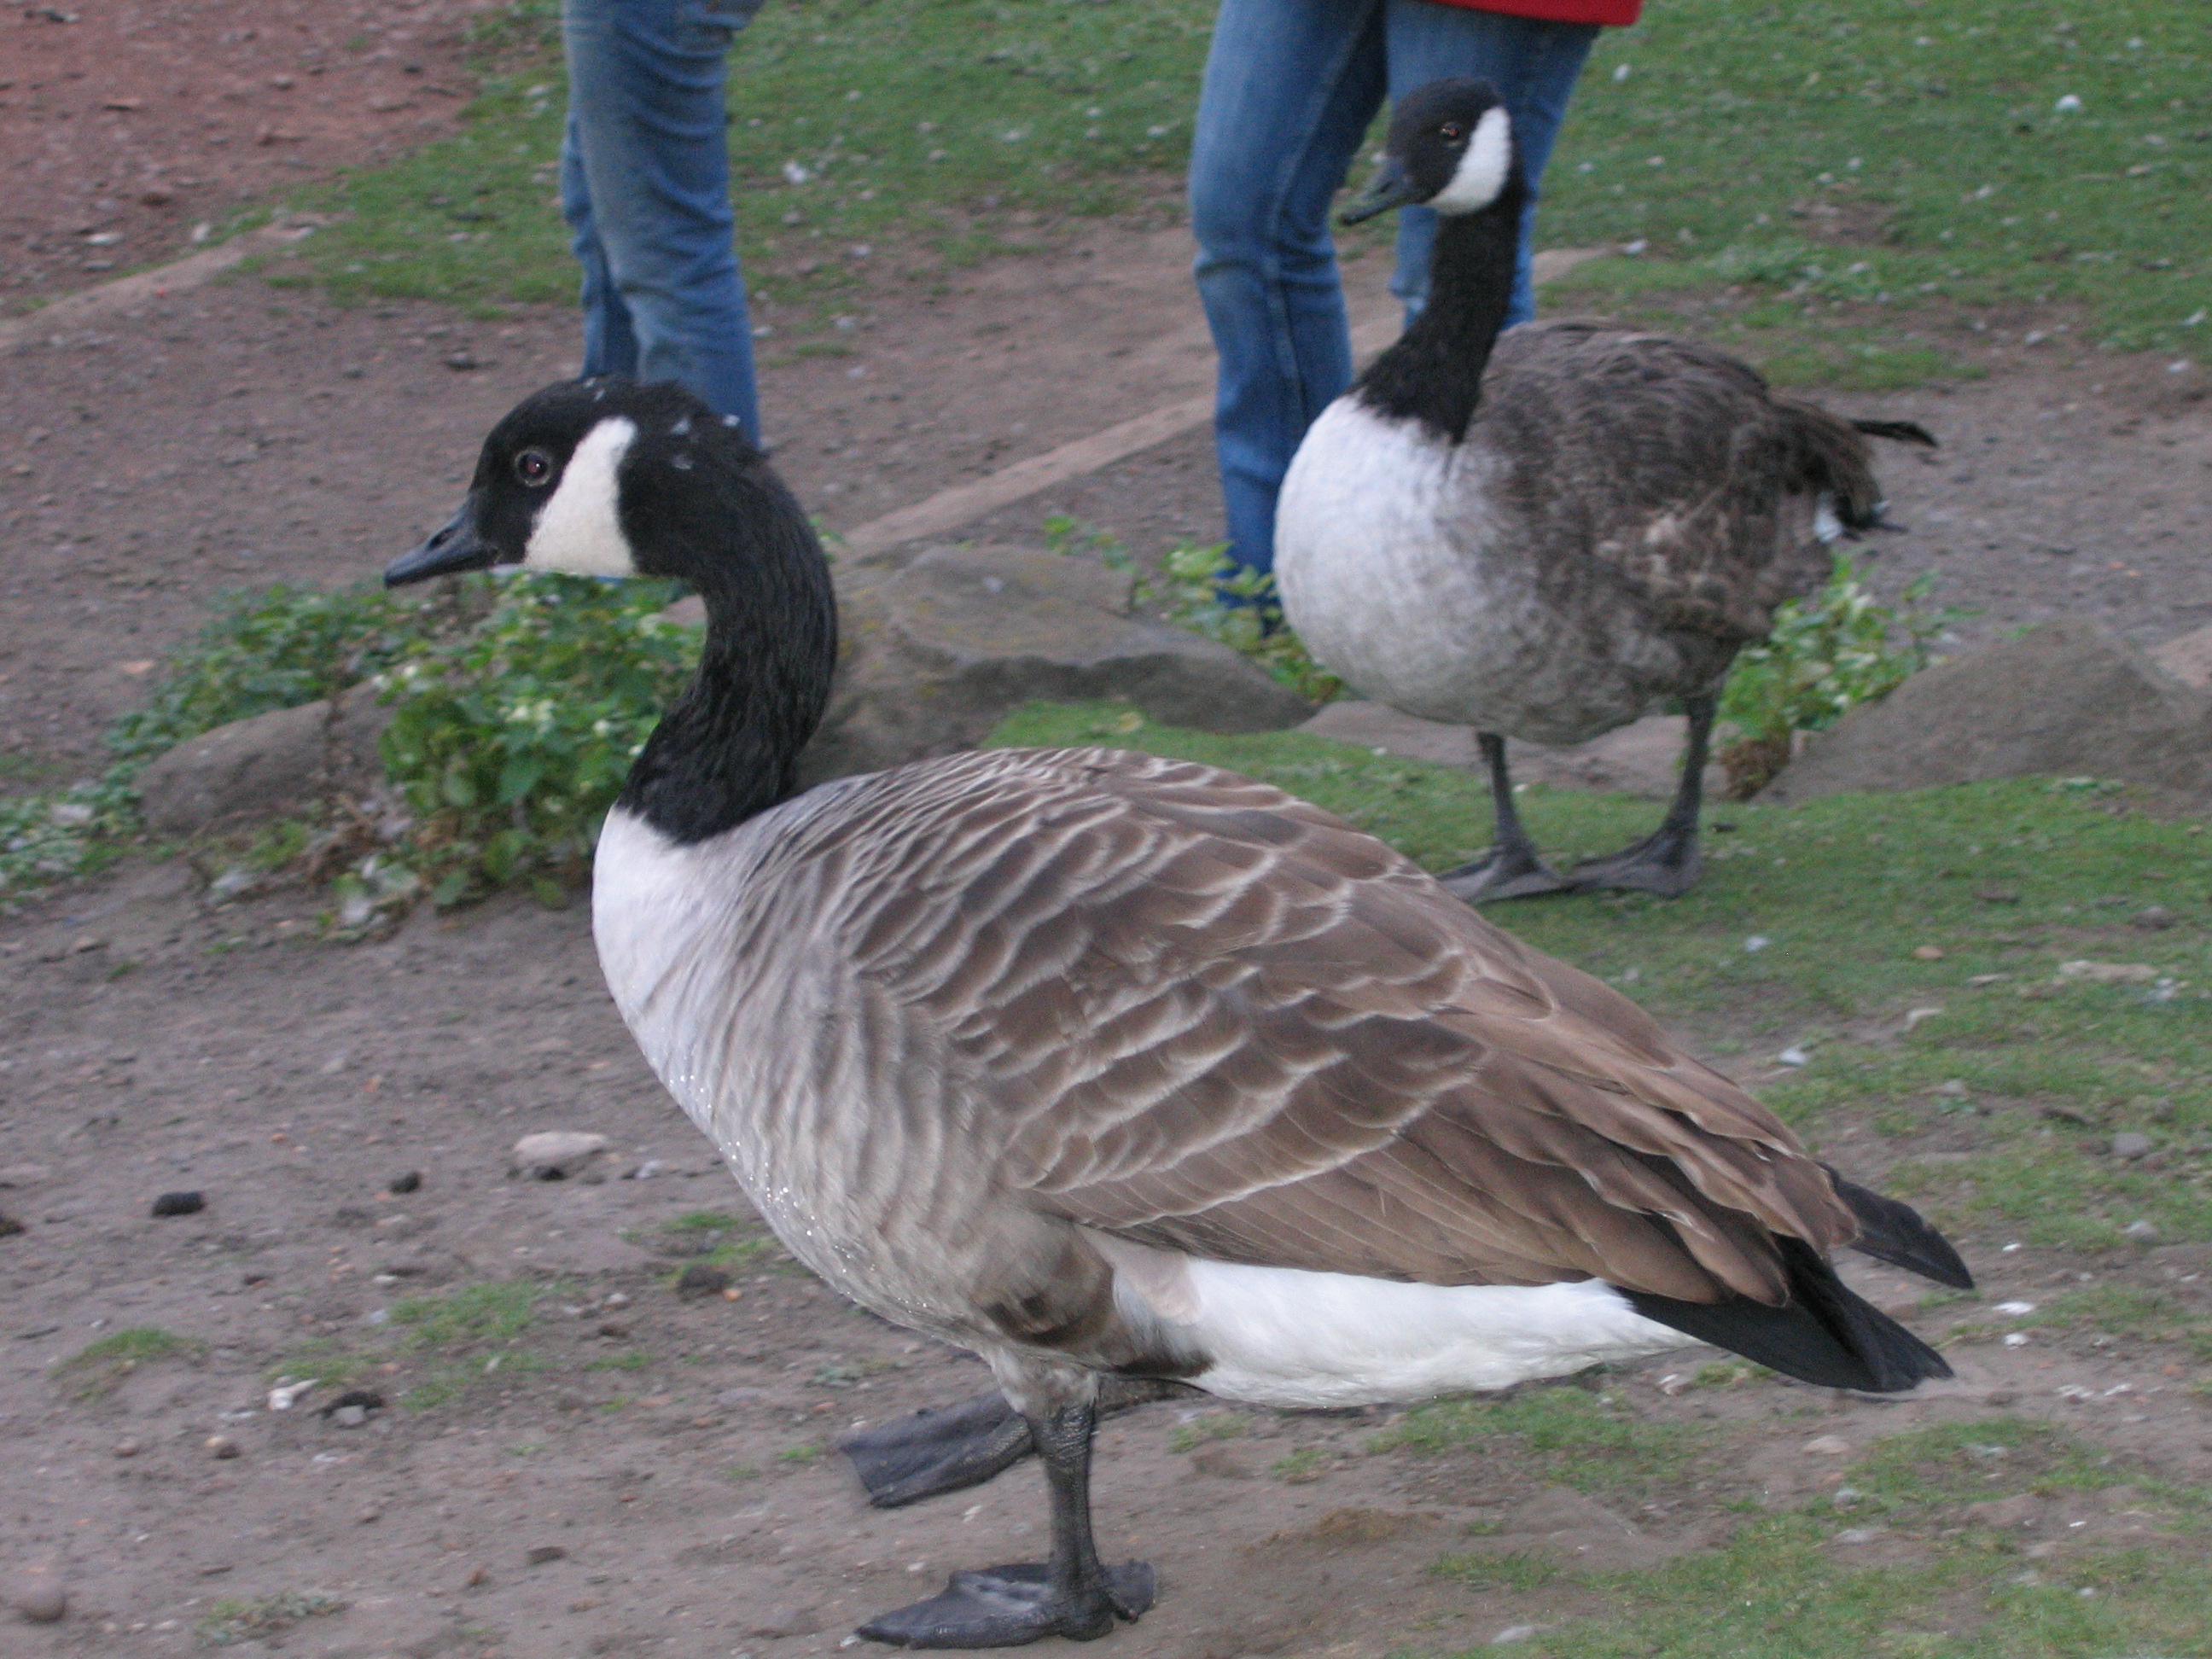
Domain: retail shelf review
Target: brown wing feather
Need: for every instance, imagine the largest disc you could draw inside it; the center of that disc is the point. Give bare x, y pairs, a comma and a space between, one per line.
1215, 1018
1687, 479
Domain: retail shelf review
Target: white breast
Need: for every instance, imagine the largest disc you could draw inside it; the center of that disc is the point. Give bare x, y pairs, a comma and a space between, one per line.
1402, 572
1279, 1336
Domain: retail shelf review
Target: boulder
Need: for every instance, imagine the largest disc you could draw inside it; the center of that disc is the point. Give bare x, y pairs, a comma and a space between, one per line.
2068, 699
1644, 758
260, 767
933, 654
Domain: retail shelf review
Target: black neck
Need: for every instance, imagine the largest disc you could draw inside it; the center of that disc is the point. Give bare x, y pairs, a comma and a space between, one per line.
1434, 372
729, 745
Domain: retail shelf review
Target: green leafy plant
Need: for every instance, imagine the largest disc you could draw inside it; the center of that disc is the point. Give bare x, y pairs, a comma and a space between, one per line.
1204, 590
1828, 654
98, 1367
509, 742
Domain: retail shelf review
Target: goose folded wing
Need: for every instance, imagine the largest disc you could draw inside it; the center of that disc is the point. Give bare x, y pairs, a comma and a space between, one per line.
1235, 1026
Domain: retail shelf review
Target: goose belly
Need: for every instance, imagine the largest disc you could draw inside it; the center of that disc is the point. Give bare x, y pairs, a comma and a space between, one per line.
1281, 1336
1403, 574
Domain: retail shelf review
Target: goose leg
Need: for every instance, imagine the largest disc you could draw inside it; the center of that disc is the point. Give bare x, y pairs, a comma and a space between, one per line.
1511, 868
928, 1454
1073, 1596
1666, 861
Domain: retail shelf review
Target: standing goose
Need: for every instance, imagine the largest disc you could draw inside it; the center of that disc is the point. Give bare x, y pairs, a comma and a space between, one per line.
1118, 1069
1552, 538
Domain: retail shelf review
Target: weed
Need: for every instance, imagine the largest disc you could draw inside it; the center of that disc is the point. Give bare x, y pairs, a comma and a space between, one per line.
1578, 1438
706, 1221
1828, 654
98, 1367
629, 1359
1516, 1570
233, 1619
1204, 590
473, 1315
1204, 1430
1299, 1468
323, 1359
742, 1472
807, 1452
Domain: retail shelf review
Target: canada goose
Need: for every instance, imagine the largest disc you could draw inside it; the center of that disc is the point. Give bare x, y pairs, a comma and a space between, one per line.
1111, 1067
1553, 538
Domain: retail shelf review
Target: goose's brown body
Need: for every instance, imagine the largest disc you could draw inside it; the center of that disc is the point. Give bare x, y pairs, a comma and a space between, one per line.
963, 1028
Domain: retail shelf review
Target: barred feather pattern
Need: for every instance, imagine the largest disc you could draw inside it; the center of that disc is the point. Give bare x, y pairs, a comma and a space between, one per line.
951, 1024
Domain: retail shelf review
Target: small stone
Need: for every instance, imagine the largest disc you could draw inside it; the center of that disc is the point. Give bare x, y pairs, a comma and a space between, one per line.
538, 1554
2129, 1143
221, 1446
1928, 953
1828, 1445
128, 1448
2153, 917
1513, 1633
10, 1226
409, 1182
40, 1596
788, 1621
462, 361
555, 1154
349, 1417
350, 1409
180, 1204
476, 1576
368, 1517
1860, 1534
2144, 1232
700, 1279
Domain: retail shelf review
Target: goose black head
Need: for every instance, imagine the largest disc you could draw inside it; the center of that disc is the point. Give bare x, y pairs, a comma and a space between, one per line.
1450, 148
565, 483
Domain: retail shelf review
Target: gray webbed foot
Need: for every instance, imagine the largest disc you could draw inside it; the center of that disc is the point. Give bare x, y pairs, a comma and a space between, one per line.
1008, 1606
1667, 863
1499, 874
927, 1454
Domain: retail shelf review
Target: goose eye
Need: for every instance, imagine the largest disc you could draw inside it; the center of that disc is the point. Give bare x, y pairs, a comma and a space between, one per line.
533, 467
1452, 130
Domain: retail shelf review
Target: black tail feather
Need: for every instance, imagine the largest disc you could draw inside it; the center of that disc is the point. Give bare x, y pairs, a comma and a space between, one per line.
1903, 432
1898, 1234
1826, 1333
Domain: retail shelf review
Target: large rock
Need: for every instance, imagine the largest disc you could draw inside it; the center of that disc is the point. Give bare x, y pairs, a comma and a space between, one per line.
1643, 758
2069, 699
262, 767
933, 654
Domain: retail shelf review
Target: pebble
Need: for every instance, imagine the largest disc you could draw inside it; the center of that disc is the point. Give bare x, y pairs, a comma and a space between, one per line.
1829, 1445
538, 1554
2132, 1145
1513, 1633
2152, 917
40, 1596
1928, 953
128, 1448
2144, 1232
351, 1409
180, 1204
412, 1181
221, 1445
1860, 1534
9, 1225
555, 1154
700, 1279
349, 1417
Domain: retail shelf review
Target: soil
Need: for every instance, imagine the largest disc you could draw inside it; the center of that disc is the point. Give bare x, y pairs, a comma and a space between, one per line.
662, 1456
123, 129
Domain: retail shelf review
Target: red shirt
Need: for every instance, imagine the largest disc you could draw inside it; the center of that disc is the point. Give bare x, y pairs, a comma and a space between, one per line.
1614, 12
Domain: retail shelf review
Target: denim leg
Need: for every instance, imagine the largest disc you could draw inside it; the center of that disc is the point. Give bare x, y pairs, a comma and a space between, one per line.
646, 189
1290, 88
1533, 62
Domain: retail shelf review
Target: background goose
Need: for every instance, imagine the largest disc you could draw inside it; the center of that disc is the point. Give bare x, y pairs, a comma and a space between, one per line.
1112, 1067
1563, 543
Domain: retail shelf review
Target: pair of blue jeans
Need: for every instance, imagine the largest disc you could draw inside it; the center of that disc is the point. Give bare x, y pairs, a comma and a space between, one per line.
645, 186
1291, 89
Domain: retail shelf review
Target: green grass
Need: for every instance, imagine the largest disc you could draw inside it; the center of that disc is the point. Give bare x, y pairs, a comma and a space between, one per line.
233, 1619
1204, 1431
98, 1367
1571, 1436
1842, 891
1827, 160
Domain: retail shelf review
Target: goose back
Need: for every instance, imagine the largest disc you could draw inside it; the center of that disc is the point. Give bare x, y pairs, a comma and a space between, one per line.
972, 1032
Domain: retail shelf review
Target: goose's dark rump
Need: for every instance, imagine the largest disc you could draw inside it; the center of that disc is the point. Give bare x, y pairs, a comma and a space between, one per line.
1689, 483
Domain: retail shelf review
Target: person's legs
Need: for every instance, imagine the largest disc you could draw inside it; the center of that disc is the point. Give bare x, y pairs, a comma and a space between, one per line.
1290, 88
1532, 64
646, 188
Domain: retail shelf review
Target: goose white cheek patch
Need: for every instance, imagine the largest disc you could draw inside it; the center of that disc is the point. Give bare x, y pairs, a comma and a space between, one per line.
1481, 172
579, 530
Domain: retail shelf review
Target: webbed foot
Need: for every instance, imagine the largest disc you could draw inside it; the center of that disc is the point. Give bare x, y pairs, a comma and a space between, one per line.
1667, 863
929, 1453
1502, 874
1008, 1606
